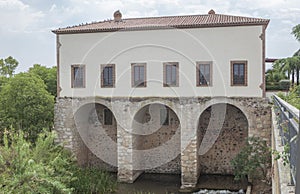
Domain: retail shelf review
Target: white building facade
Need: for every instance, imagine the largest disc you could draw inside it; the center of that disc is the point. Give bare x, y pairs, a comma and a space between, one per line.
176, 94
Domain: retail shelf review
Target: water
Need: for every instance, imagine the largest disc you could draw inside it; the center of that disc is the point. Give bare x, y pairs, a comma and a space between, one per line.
170, 184
205, 191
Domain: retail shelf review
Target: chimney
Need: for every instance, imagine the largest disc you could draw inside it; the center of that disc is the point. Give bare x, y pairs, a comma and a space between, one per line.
211, 12
117, 16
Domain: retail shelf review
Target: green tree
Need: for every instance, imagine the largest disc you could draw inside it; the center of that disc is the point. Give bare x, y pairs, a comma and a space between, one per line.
254, 160
297, 53
274, 76
48, 75
297, 58
3, 81
26, 104
8, 66
296, 32
290, 66
42, 167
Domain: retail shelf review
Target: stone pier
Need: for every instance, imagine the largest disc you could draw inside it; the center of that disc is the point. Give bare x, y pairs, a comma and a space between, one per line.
190, 136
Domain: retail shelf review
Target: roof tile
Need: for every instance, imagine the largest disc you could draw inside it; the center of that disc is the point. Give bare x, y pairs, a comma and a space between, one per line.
188, 21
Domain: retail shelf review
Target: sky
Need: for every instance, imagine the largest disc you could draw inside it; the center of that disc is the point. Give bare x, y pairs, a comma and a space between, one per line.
25, 25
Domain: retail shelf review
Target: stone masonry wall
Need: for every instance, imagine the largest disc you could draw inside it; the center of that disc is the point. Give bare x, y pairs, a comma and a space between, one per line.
69, 127
157, 134
228, 134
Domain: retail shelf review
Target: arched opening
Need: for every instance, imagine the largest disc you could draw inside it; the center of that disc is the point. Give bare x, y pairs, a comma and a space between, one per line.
156, 132
222, 131
96, 136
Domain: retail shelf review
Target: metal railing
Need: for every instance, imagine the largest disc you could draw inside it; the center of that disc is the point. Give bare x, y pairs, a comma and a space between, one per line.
288, 120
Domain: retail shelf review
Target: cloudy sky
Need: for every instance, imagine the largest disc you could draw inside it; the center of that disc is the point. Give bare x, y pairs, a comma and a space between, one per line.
25, 25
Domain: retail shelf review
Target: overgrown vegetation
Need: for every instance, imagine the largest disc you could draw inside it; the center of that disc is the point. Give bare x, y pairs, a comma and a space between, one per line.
92, 180
30, 161
253, 161
40, 168
45, 167
284, 155
293, 97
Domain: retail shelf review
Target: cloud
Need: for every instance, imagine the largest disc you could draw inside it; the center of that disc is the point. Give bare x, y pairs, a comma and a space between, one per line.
27, 24
17, 16
12, 4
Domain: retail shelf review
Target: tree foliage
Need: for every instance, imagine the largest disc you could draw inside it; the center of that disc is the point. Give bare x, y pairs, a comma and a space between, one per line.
3, 81
45, 167
296, 32
8, 66
273, 75
48, 75
26, 104
40, 168
254, 160
289, 66
293, 96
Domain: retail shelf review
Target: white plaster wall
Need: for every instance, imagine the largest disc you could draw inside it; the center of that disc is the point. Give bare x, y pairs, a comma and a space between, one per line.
186, 46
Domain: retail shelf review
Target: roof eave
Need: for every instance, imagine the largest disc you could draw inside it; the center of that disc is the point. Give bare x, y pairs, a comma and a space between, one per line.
66, 31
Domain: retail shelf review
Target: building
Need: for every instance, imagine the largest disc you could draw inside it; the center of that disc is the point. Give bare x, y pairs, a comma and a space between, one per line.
174, 94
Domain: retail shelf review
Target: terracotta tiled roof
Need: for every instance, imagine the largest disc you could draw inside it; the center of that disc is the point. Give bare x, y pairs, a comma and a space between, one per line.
148, 23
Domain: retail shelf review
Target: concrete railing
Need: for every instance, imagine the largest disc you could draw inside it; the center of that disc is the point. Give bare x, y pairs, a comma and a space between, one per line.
287, 117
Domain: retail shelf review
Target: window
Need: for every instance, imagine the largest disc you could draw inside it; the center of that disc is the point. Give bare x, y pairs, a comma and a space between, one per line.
239, 73
204, 73
138, 74
171, 76
107, 116
108, 76
164, 116
77, 76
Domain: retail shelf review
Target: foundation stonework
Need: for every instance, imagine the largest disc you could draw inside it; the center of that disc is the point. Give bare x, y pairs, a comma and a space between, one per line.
120, 147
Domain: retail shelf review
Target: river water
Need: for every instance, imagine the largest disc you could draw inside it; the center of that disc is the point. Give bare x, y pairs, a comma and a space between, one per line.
170, 184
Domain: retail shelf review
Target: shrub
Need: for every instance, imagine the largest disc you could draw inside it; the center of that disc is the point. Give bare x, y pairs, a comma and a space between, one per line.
273, 87
284, 84
92, 180
254, 160
40, 168
44, 167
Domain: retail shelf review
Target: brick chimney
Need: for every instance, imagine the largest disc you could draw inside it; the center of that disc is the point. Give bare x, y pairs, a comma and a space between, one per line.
117, 16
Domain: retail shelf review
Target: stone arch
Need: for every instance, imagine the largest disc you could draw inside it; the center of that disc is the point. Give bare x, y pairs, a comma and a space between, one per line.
222, 132
173, 104
156, 131
95, 135
230, 101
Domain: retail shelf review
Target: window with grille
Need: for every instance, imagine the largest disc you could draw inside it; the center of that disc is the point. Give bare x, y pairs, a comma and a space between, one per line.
171, 76
108, 76
78, 76
239, 73
204, 73
138, 74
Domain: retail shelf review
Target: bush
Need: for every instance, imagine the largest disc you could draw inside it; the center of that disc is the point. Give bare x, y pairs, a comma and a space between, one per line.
284, 84
273, 87
281, 85
92, 180
40, 168
254, 160
44, 167
293, 97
